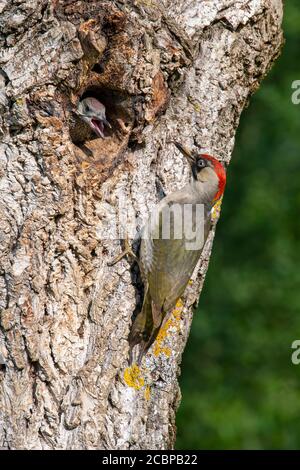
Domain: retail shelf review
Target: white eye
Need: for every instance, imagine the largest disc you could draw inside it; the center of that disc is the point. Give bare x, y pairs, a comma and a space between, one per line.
201, 163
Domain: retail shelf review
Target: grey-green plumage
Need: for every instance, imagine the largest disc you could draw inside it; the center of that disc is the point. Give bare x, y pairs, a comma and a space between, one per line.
167, 264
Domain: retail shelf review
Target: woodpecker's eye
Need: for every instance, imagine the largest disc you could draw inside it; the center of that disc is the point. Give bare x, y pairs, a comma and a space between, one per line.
87, 108
201, 163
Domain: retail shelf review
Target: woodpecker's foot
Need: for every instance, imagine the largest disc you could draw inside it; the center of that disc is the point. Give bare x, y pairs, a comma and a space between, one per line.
125, 252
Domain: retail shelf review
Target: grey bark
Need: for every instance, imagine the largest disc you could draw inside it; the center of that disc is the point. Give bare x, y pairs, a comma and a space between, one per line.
166, 70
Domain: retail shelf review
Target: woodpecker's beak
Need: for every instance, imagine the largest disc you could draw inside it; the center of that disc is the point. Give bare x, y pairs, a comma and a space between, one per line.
186, 152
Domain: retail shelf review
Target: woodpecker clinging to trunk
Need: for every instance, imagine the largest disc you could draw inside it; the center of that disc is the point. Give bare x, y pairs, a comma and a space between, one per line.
93, 113
171, 245
167, 263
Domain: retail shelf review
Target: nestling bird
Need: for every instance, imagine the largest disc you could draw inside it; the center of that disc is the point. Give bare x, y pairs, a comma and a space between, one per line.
93, 113
167, 263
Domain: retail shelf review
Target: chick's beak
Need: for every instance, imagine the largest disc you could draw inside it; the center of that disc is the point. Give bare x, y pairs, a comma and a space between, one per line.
98, 126
186, 152
97, 123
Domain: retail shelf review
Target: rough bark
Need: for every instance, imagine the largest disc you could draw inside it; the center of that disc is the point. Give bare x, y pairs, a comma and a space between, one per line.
172, 69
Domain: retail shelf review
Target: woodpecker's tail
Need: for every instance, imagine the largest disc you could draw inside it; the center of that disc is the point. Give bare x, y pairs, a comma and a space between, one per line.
145, 328
140, 325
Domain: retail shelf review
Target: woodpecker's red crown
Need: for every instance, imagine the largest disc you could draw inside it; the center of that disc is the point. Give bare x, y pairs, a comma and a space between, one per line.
219, 170
199, 162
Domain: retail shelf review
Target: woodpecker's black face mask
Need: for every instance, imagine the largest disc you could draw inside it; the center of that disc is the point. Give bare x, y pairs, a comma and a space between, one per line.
198, 166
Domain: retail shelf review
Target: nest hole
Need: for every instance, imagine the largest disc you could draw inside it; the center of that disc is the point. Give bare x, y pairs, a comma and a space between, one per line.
120, 115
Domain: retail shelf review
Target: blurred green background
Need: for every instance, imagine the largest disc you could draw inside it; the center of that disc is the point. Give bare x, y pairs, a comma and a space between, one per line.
240, 389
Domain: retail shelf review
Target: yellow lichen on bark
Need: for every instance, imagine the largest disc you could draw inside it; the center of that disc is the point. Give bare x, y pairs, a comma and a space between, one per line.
174, 321
147, 392
133, 377
215, 213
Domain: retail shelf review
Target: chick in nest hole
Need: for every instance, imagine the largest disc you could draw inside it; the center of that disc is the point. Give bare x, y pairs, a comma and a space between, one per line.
88, 119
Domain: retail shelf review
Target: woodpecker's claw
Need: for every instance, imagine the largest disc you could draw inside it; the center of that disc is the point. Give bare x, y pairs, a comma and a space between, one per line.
125, 252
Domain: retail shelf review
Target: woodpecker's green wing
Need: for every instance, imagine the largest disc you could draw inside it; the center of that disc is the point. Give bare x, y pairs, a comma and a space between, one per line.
170, 262
166, 267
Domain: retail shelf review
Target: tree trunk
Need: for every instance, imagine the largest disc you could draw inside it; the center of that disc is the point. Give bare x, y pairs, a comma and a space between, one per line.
169, 70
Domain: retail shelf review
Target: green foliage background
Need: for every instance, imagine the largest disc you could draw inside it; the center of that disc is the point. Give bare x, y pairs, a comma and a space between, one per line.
240, 389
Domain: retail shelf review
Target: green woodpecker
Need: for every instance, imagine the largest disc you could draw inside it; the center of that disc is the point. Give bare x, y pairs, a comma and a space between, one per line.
167, 260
